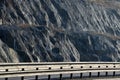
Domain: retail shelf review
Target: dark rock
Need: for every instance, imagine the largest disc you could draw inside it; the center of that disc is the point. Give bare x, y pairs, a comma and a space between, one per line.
59, 30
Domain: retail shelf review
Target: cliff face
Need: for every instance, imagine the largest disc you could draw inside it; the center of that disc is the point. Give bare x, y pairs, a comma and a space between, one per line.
59, 30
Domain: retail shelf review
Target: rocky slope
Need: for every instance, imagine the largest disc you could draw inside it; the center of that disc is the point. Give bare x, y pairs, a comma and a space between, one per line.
59, 30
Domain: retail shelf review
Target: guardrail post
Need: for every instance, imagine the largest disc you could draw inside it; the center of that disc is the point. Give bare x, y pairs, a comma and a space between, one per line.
49, 77
81, 74
60, 76
36, 77
90, 74
22, 78
106, 73
6, 71
98, 74
6, 78
113, 73
71, 75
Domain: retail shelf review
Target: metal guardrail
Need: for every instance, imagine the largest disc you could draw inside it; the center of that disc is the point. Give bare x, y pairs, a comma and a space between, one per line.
51, 68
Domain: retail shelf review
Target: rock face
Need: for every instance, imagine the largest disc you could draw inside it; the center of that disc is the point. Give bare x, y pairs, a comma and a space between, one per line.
7, 54
59, 30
